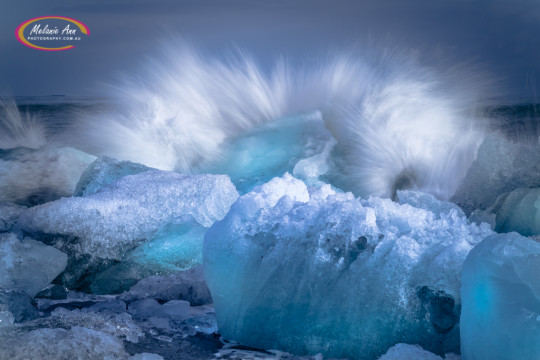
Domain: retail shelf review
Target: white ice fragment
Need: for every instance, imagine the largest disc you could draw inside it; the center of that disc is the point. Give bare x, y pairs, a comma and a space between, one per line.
408, 352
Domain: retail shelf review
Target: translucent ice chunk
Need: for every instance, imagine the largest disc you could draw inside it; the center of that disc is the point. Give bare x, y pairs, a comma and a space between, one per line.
103, 172
28, 265
520, 212
301, 143
328, 272
500, 318
408, 352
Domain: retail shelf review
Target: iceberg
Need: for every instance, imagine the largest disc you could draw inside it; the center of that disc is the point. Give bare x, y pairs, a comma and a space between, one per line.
28, 265
325, 272
500, 317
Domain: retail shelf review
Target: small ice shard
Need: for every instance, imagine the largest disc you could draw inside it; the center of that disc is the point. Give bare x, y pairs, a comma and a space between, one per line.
501, 166
408, 352
130, 211
6, 317
19, 304
103, 172
111, 306
327, 272
312, 168
145, 309
188, 285
29, 177
53, 291
28, 265
176, 308
148, 308
500, 317
146, 356
119, 325
520, 212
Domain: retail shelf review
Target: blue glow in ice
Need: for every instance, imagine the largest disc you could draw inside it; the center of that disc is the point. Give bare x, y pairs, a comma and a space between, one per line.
500, 317
275, 148
328, 272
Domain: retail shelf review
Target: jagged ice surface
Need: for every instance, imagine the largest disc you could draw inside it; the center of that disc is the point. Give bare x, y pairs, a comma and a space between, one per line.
327, 272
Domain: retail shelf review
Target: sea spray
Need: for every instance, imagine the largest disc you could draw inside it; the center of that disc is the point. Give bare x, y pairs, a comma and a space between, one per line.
19, 129
398, 124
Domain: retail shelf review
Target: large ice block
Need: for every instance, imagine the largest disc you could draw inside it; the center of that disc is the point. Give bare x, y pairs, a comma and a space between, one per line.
500, 317
130, 211
28, 265
310, 270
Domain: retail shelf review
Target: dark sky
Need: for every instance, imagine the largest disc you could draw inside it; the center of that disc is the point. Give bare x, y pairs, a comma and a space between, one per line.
500, 36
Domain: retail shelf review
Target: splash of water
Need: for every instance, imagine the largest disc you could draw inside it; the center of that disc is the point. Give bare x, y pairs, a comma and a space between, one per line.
19, 129
397, 124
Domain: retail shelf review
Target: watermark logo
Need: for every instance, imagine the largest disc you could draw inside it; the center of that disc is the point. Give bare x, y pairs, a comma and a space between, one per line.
51, 33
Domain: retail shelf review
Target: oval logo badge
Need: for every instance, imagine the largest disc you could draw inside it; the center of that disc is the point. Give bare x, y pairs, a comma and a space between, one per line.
51, 33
